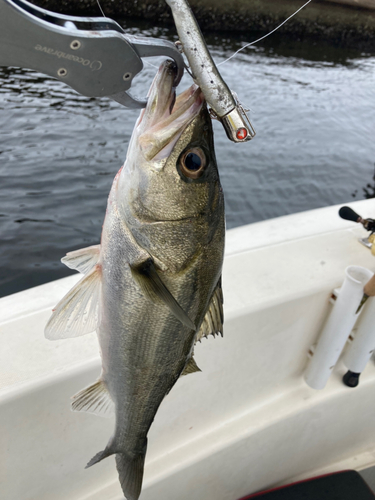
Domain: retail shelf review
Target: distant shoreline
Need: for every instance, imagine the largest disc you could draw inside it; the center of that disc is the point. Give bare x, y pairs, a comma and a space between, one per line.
341, 22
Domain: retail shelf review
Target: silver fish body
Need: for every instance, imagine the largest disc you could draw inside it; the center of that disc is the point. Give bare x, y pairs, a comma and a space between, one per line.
154, 284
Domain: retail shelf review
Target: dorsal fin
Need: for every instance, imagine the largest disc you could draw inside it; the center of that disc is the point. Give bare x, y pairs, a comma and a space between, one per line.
212, 323
83, 260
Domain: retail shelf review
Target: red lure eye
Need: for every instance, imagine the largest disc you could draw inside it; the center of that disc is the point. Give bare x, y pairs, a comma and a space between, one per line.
241, 134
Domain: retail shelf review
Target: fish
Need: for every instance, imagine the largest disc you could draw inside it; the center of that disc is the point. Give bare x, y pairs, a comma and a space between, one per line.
152, 288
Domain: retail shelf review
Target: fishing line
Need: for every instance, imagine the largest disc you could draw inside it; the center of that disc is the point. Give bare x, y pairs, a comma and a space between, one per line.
265, 36
100, 7
187, 67
150, 64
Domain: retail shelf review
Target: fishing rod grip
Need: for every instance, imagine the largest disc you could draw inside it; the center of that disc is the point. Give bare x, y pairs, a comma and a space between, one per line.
348, 214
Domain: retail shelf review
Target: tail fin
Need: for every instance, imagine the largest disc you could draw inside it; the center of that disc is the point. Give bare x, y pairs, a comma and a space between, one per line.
131, 473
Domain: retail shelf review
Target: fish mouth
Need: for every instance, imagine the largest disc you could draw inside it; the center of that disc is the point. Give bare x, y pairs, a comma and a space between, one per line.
166, 116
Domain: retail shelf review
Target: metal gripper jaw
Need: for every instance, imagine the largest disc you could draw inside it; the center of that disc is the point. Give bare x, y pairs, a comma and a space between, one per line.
94, 56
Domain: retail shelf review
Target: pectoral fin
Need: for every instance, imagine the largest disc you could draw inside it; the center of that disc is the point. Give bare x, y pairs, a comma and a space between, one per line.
152, 286
212, 323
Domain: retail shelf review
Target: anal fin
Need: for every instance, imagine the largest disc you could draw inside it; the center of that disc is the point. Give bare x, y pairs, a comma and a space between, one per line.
94, 399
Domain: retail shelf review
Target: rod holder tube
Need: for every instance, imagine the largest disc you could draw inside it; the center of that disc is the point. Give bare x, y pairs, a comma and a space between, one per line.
337, 327
360, 350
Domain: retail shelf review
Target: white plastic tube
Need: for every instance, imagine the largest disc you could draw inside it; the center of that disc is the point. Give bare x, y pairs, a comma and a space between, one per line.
337, 328
359, 351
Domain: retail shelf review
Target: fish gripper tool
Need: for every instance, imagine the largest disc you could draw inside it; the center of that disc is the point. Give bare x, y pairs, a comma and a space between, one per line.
93, 55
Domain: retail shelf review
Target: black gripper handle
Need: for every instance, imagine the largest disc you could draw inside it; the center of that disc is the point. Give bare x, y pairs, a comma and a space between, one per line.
348, 214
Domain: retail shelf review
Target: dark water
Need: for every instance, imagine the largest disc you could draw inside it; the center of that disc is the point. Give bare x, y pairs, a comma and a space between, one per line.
312, 106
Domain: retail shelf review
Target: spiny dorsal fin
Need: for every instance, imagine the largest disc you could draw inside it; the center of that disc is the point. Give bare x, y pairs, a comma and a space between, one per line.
152, 286
94, 399
191, 367
76, 314
83, 260
212, 323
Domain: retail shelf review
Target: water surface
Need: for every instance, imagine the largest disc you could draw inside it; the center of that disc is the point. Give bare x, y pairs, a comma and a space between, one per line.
312, 106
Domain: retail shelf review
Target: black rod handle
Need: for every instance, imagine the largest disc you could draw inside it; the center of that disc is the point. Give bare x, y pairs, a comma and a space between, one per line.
348, 214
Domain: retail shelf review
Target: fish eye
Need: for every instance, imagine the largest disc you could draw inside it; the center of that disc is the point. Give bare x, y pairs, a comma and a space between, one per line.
193, 163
